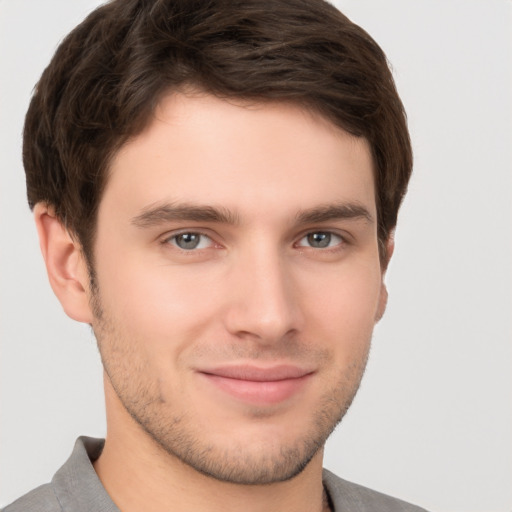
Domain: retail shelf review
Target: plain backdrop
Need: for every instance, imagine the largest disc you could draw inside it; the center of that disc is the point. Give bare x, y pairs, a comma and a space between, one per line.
432, 421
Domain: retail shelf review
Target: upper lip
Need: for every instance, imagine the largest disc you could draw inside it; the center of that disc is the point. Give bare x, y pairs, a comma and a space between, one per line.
257, 373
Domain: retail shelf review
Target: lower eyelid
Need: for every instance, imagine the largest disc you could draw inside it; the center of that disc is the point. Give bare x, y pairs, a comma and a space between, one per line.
339, 240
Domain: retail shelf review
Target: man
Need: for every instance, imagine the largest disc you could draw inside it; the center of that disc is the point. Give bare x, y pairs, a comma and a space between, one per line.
215, 187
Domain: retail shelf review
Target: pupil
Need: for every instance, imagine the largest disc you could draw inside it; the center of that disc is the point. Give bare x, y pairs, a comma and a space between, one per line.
187, 240
319, 239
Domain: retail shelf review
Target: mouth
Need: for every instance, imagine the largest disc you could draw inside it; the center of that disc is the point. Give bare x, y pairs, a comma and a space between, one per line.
257, 385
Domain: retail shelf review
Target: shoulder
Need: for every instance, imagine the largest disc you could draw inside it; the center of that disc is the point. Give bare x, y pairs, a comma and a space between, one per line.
349, 496
41, 499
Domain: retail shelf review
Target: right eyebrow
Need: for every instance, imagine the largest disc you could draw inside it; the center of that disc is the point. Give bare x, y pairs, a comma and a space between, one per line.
161, 213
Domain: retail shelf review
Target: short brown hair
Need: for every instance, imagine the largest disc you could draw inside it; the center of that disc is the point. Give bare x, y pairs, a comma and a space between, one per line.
109, 73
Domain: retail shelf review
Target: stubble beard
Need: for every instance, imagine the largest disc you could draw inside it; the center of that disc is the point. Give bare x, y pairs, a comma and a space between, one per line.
180, 438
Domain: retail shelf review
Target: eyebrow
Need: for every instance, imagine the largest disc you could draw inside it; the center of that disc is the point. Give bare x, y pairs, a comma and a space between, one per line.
156, 214
161, 213
336, 211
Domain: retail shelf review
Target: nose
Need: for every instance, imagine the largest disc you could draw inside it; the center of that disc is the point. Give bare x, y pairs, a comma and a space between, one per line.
264, 304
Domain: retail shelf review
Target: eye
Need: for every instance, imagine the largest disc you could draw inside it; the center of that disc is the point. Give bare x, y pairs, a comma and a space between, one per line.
189, 241
320, 240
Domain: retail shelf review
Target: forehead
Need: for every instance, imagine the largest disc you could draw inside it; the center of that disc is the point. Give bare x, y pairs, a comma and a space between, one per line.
247, 157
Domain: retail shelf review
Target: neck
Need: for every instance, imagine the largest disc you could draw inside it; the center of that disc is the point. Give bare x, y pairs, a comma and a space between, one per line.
139, 475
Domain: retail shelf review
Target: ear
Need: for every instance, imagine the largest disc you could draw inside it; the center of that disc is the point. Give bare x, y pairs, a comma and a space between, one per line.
65, 264
383, 298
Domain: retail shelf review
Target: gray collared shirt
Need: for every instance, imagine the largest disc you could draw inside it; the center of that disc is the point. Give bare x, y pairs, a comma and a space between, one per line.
76, 488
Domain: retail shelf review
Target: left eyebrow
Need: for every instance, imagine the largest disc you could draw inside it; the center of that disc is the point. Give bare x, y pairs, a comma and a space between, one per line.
156, 214
337, 211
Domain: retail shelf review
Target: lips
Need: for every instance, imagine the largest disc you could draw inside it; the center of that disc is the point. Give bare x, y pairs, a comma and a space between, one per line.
258, 385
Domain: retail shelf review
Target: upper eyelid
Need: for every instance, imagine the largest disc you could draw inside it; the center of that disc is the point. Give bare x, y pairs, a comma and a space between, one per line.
345, 237
343, 234
174, 233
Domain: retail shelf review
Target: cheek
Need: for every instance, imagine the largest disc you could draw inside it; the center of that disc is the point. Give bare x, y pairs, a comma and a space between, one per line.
344, 305
166, 309
158, 305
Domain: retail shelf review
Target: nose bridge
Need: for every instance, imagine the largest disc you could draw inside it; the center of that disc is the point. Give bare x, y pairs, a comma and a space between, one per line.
263, 304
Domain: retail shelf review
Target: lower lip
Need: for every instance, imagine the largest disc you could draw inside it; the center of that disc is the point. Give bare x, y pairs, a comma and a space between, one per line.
256, 392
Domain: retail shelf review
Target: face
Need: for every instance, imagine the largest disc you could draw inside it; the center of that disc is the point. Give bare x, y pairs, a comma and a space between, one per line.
238, 283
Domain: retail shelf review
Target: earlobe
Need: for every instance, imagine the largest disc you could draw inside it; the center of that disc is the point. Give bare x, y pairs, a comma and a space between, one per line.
65, 264
383, 301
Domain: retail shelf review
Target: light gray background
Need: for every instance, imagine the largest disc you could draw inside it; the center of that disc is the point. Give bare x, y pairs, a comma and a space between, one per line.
432, 422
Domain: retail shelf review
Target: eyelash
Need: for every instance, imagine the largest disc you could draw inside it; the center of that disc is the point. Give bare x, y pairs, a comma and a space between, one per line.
330, 235
342, 241
172, 238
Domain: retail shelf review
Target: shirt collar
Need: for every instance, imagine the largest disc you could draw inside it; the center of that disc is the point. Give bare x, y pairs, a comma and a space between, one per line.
76, 484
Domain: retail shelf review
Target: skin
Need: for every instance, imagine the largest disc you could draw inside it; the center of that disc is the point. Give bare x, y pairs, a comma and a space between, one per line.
286, 274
